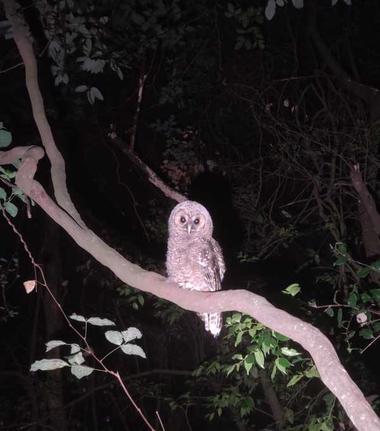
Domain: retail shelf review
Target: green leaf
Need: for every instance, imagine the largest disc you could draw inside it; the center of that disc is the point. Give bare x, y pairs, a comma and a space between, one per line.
293, 289
295, 379
279, 336
97, 321
5, 138
48, 364
238, 338
366, 333
311, 372
363, 272
80, 371
341, 261
248, 363
341, 247
267, 342
133, 349
325, 426
289, 352
3, 194
236, 318
376, 265
329, 311
365, 297
238, 356
230, 369
11, 209
273, 373
246, 407
352, 299
282, 364
265, 347
375, 294
289, 415
114, 337
259, 356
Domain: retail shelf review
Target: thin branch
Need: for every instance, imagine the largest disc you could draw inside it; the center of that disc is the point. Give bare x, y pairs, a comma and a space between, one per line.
152, 177
160, 420
132, 140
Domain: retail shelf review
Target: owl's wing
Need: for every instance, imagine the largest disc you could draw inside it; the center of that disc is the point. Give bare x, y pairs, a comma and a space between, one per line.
210, 260
219, 257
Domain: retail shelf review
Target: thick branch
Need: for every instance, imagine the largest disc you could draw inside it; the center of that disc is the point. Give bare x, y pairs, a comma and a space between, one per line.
365, 197
22, 39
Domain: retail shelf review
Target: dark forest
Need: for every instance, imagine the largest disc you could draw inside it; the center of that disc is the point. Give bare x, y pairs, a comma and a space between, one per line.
265, 112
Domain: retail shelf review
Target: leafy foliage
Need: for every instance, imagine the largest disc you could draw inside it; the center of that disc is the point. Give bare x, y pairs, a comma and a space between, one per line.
76, 359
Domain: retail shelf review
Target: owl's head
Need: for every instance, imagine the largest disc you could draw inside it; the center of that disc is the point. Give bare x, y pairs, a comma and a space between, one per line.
190, 219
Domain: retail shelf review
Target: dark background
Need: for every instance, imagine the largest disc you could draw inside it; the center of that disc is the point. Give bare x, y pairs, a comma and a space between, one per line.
259, 120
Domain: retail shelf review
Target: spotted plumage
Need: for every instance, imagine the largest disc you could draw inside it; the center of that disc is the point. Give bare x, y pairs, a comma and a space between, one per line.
194, 258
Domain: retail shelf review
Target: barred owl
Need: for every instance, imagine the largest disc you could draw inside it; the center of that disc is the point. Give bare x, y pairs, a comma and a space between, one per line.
194, 259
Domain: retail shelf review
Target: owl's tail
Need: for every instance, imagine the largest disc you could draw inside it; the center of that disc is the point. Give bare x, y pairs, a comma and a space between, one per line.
213, 322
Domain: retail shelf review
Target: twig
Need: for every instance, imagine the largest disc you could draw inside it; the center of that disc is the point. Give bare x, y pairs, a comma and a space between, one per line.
151, 175
159, 419
142, 79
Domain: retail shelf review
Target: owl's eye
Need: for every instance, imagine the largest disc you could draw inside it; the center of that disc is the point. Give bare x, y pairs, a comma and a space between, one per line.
196, 221
182, 220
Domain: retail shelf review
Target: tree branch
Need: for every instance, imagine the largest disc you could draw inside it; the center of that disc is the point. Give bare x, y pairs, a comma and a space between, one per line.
152, 177
21, 37
365, 197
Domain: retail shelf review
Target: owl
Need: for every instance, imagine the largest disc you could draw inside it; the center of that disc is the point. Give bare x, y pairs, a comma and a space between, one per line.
194, 259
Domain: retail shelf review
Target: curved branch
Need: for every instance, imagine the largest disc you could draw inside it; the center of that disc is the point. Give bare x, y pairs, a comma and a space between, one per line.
22, 39
332, 372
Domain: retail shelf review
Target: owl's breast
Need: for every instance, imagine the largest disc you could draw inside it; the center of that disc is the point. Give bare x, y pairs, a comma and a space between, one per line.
183, 268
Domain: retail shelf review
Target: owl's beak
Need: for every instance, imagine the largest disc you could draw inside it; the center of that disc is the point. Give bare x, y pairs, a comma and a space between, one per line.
189, 227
